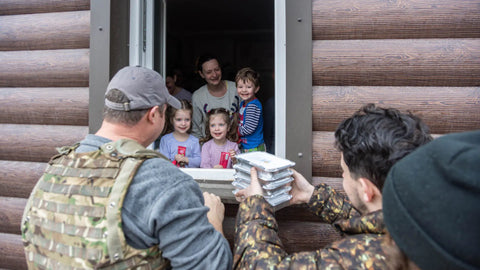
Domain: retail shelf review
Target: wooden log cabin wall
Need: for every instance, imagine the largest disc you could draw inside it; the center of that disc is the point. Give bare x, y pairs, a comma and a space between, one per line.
44, 51
422, 56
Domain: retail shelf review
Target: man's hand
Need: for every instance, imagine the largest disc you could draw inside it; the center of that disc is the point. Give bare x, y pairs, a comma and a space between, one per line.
253, 189
217, 210
302, 190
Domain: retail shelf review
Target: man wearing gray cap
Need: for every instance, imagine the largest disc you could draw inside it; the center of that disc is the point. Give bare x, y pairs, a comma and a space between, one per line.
109, 202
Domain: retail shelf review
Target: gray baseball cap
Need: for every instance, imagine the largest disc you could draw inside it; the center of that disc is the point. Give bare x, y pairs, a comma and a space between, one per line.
145, 88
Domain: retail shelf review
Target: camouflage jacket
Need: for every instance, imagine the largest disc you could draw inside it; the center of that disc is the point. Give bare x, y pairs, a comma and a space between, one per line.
258, 246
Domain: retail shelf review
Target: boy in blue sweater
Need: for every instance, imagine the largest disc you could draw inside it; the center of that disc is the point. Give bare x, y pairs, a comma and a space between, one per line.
250, 127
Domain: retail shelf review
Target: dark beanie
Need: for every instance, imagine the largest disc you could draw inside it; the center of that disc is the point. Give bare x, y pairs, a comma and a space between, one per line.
431, 203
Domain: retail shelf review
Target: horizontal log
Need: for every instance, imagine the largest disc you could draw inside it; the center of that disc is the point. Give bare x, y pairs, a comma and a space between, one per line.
11, 7
36, 143
334, 182
45, 31
50, 68
398, 62
443, 109
325, 157
17, 178
378, 19
46, 106
11, 211
11, 252
300, 236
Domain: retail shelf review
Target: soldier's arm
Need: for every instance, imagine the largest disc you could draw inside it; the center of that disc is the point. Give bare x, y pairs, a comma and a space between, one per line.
258, 246
329, 205
165, 207
322, 200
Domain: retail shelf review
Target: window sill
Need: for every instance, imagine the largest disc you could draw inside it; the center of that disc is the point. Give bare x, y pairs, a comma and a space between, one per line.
216, 181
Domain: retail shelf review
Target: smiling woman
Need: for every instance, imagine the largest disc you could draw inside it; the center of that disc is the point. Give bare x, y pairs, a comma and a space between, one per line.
216, 93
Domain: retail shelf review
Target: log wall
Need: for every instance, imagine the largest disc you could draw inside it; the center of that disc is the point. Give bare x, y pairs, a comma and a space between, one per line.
422, 56
44, 51
418, 56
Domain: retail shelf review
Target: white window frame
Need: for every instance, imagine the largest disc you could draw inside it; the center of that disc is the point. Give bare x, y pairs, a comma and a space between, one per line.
141, 53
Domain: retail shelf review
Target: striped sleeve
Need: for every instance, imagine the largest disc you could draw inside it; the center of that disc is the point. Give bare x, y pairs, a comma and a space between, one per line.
251, 118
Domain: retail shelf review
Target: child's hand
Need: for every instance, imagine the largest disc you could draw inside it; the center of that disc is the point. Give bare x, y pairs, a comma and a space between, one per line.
232, 156
182, 160
179, 157
218, 166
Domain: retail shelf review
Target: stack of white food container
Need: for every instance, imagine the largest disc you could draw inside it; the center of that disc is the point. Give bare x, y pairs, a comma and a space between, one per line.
273, 173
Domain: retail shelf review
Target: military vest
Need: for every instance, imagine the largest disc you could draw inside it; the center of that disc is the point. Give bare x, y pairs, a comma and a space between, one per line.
73, 216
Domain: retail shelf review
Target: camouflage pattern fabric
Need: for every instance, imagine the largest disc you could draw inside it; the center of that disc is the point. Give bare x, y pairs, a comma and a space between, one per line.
257, 245
329, 205
73, 217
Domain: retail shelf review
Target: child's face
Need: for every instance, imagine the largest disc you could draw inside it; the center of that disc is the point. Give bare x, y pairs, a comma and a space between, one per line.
181, 121
246, 90
218, 127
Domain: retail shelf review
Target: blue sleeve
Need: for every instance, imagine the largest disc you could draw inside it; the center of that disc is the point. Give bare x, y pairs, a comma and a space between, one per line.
251, 117
165, 207
194, 157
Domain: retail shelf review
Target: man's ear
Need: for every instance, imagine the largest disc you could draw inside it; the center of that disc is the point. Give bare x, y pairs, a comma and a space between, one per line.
368, 189
157, 111
150, 115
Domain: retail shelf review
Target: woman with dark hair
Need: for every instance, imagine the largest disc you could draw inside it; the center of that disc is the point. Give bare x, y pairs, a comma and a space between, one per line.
216, 93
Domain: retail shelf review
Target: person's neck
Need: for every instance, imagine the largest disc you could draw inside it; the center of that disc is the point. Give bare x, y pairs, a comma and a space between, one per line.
181, 137
218, 90
116, 132
375, 205
220, 142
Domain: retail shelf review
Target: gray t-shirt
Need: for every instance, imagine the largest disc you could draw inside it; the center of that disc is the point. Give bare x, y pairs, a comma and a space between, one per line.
165, 207
184, 94
202, 102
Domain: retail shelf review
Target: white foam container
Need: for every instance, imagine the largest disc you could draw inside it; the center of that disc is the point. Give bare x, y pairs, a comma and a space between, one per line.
273, 174
267, 176
264, 161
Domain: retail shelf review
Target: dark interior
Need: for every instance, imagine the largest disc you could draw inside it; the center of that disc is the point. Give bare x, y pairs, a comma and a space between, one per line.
239, 32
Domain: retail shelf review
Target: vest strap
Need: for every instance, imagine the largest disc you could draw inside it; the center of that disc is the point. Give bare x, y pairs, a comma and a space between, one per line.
113, 209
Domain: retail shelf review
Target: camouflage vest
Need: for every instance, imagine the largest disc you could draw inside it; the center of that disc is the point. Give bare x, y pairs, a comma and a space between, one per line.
73, 216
